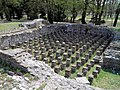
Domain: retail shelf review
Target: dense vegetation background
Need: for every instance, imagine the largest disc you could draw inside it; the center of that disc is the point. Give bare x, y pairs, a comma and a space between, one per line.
61, 10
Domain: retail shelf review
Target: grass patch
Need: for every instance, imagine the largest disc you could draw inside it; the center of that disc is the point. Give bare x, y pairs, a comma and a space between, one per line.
117, 29
107, 80
42, 86
9, 26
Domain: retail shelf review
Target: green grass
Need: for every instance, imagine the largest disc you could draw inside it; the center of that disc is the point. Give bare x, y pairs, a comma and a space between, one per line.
42, 86
118, 24
107, 80
117, 29
9, 26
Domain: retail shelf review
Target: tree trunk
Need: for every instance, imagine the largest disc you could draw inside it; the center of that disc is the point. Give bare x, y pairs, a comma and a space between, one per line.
74, 14
19, 13
116, 18
84, 12
1, 15
50, 11
7, 14
83, 17
117, 15
50, 17
101, 13
71, 19
97, 13
8, 17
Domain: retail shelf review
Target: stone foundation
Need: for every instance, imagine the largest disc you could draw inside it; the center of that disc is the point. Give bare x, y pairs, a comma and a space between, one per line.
59, 46
10, 39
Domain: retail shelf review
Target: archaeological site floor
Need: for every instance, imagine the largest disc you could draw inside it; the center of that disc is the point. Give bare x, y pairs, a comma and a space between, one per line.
58, 54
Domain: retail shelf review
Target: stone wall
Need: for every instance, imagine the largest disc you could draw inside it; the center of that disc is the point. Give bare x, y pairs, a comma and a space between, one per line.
111, 58
7, 57
8, 40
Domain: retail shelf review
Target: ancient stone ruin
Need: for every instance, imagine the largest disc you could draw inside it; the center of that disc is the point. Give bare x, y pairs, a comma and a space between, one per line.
62, 56
111, 57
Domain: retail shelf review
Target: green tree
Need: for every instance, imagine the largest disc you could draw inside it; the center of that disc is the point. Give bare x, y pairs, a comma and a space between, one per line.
7, 8
59, 10
10, 8
50, 7
31, 8
73, 8
18, 8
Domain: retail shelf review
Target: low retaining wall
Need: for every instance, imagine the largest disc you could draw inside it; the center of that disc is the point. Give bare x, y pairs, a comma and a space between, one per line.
8, 58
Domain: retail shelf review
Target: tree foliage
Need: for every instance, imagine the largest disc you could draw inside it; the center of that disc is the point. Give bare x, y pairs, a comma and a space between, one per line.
57, 10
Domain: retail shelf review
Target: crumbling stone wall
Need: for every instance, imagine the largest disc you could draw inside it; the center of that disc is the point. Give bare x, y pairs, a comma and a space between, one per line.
8, 40
111, 58
9, 58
